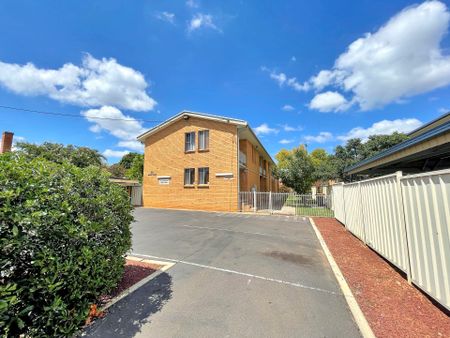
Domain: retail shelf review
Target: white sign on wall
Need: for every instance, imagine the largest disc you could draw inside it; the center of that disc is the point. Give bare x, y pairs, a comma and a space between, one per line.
164, 180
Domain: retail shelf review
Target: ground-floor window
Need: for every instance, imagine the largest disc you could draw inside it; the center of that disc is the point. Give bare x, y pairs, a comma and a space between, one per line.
203, 175
189, 176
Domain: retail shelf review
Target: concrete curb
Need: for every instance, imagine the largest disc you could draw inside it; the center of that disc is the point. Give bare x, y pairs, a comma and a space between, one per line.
164, 267
360, 319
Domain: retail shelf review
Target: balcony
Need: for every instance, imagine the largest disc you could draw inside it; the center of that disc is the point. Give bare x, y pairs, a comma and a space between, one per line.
262, 171
242, 159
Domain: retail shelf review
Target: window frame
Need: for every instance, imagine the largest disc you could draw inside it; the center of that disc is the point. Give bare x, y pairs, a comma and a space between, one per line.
191, 142
206, 141
206, 182
192, 170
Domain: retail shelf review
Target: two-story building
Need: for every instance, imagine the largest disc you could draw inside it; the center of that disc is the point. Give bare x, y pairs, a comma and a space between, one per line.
202, 162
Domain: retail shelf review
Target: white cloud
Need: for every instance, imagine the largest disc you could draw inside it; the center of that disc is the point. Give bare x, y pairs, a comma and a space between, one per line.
200, 20
384, 127
288, 128
288, 107
285, 141
283, 80
264, 129
192, 4
115, 153
166, 16
113, 121
96, 82
322, 79
15, 140
329, 102
401, 59
134, 145
323, 137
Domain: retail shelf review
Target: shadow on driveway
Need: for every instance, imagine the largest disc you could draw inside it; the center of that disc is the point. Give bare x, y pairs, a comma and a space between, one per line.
126, 317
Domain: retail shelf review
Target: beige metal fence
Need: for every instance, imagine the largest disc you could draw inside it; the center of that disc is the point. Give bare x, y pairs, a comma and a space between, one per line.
406, 219
427, 215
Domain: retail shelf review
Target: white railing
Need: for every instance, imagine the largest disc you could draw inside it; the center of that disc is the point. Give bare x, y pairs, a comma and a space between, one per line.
285, 203
406, 219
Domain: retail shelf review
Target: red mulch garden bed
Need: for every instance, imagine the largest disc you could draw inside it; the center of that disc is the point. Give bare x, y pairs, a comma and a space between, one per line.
392, 307
134, 272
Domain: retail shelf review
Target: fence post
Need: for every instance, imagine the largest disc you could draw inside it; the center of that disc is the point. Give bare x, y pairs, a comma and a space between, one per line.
254, 200
270, 202
402, 220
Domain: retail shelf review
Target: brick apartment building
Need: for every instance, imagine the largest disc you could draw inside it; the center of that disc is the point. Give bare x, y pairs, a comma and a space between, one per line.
202, 162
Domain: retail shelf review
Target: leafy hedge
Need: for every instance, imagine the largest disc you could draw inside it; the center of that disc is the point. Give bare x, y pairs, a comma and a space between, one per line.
64, 235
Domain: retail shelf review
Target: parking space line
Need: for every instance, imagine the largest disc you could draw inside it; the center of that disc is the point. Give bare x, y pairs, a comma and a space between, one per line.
268, 279
234, 231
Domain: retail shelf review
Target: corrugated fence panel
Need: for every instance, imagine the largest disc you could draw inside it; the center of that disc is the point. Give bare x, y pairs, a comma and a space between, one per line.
338, 202
353, 210
383, 223
427, 214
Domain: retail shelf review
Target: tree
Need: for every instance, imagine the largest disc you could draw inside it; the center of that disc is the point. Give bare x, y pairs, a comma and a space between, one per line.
377, 143
117, 170
81, 157
355, 150
323, 165
136, 170
296, 169
127, 160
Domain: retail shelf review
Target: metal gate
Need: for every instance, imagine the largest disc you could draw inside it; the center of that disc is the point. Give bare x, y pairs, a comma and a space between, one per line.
285, 203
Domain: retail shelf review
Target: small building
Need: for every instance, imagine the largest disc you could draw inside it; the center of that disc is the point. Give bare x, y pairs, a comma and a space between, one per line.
201, 162
427, 149
133, 188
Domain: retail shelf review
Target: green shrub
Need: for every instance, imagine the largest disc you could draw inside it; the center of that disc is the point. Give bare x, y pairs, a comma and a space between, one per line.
64, 235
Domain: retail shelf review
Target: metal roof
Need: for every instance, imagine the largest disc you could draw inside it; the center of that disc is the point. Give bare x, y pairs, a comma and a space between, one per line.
237, 122
405, 144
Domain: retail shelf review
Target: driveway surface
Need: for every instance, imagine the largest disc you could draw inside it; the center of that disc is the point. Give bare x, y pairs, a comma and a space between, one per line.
236, 275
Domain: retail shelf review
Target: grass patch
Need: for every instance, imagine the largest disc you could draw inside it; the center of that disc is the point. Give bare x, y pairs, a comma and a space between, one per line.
319, 212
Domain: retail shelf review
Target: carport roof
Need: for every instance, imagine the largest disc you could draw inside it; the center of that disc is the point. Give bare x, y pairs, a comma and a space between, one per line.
431, 141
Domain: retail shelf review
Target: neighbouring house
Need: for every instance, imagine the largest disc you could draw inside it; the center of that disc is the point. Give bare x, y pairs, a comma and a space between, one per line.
322, 187
427, 149
133, 188
202, 162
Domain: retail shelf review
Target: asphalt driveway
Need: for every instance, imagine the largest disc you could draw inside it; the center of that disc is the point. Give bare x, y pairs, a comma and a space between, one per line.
236, 275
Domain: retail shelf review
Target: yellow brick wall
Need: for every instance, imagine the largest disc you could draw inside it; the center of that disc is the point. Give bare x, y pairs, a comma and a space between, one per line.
165, 156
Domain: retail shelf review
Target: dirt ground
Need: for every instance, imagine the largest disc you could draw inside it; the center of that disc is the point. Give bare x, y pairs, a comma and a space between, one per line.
392, 307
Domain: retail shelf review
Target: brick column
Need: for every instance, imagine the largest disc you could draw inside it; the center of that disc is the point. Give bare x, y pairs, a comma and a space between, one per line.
7, 138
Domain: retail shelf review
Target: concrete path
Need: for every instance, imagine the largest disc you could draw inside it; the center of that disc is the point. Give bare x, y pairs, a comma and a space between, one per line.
235, 275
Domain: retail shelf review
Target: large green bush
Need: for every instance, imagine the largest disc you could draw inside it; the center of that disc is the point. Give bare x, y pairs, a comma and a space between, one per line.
64, 235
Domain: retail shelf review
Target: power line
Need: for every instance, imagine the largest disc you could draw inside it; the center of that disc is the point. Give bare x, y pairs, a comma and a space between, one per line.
76, 115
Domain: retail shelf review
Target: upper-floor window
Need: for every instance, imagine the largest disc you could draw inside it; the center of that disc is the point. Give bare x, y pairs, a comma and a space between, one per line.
203, 175
189, 141
189, 176
203, 140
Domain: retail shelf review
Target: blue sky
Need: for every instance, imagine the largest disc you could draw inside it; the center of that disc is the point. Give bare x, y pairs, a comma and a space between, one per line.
315, 72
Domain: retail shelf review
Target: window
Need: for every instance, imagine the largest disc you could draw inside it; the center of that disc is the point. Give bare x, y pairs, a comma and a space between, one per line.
203, 139
203, 175
189, 176
189, 141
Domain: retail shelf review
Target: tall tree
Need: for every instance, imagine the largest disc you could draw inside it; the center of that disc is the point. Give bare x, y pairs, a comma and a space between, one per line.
127, 160
136, 170
295, 168
323, 165
79, 156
